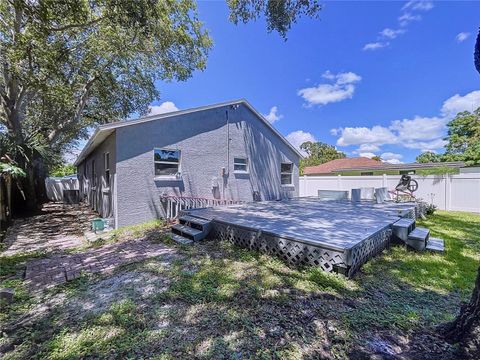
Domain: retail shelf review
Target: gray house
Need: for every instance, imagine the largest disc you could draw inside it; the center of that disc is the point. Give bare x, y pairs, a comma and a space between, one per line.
226, 151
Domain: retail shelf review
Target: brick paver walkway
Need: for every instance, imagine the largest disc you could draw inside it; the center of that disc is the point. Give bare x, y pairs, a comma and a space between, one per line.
45, 273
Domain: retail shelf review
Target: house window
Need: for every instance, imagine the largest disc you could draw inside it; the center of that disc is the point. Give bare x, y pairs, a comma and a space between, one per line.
94, 175
366, 173
166, 162
106, 163
286, 171
240, 164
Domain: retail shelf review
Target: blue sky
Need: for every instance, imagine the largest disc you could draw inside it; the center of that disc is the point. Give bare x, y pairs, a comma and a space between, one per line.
370, 77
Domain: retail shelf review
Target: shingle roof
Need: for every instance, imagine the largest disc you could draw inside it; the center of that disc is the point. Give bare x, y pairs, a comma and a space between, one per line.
338, 164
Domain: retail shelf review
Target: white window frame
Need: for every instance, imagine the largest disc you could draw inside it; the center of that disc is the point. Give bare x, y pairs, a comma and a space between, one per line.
241, 164
106, 169
286, 173
177, 175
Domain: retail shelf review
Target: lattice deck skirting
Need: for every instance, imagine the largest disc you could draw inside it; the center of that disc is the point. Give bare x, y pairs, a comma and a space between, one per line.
297, 253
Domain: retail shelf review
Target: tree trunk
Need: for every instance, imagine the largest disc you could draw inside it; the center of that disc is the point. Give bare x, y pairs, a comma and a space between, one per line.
465, 329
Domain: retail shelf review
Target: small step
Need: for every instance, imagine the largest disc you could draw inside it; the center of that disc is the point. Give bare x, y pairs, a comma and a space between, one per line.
435, 245
180, 239
194, 222
188, 232
402, 228
418, 238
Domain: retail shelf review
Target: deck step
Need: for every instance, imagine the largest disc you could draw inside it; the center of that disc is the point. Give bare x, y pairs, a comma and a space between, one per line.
188, 232
418, 238
402, 228
435, 245
180, 239
194, 222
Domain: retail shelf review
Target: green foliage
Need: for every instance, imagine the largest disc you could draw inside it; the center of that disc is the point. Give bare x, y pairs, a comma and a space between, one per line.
440, 170
63, 170
377, 158
318, 153
428, 157
463, 141
279, 15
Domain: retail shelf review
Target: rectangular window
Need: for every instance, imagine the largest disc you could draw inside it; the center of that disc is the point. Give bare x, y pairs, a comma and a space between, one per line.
286, 172
94, 175
106, 163
240, 164
166, 162
366, 173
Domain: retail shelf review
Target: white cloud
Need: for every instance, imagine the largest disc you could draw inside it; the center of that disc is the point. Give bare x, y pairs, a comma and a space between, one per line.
342, 89
461, 37
391, 158
298, 137
391, 33
368, 147
407, 18
273, 115
377, 135
375, 45
425, 133
418, 5
367, 154
457, 103
164, 107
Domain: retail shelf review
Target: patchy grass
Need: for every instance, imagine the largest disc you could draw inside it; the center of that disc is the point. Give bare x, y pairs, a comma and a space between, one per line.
219, 301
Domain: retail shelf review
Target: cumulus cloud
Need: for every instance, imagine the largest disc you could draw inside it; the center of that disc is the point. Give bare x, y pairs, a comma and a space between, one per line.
273, 115
458, 103
165, 107
367, 154
461, 37
425, 133
391, 158
297, 138
342, 88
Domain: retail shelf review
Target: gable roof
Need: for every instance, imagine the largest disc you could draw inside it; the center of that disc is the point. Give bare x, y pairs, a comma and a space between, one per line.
408, 166
339, 164
103, 131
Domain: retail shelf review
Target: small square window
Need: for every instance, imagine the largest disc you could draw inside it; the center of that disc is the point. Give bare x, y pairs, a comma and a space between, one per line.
240, 164
286, 173
166, 162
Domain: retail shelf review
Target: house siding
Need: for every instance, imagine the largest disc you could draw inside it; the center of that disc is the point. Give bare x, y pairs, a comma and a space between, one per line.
101, 198
202, 139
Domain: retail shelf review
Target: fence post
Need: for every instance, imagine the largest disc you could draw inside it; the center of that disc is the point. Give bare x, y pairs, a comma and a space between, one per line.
448, 191
384, 180
339, 182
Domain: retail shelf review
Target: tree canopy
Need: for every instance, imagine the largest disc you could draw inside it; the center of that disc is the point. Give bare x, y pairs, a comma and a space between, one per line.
318, 153
463, 140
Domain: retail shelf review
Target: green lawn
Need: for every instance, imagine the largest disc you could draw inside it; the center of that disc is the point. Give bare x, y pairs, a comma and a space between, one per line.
218, 301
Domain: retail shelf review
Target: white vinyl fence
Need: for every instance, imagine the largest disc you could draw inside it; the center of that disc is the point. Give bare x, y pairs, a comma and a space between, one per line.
55, 187
459, 192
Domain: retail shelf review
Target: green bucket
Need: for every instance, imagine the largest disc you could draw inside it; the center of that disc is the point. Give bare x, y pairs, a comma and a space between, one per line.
98, 224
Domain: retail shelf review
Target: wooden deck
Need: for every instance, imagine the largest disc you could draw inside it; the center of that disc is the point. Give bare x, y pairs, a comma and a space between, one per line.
335, 235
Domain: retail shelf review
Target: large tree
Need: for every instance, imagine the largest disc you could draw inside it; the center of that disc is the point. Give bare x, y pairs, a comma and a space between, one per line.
465, 329
67, 65
428, 157
318, 153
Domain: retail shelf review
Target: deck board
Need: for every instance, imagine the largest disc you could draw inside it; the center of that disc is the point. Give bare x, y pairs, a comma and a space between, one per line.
331, 224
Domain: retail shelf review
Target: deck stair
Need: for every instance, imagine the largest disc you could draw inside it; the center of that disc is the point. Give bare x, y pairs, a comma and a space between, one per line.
415, 237
190, 229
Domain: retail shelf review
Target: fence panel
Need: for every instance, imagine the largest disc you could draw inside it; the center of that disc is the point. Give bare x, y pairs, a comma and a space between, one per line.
449, 192
55, 187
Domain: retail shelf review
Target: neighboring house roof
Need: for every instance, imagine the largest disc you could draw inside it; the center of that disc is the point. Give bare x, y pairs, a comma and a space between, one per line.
339, 164
410, 166
103, 131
